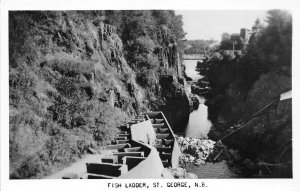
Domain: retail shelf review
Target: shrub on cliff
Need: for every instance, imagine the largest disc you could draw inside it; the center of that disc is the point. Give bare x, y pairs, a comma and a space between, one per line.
232, 76
269, 50
198, 46
59, 84
274, 45
244, 85
147, 37
69, 80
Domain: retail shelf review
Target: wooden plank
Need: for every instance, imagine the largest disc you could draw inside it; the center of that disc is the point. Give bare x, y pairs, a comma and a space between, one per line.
165, 162
121, 138
156, 120
163, 130
158, 125
109, 159
96, 176
122, 154
168, 142
105, 169
122, 141
133, 149
132, 162
122, 134
162, 135
165, 156
70, 175
117, 146
164, 149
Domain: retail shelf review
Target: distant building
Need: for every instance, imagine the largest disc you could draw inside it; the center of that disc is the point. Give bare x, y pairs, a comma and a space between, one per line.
235, 40
255, 29
240, 41
245, 34
235, 37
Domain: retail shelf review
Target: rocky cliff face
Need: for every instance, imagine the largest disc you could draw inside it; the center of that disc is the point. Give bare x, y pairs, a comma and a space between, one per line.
177, 106
244, 82
70, 87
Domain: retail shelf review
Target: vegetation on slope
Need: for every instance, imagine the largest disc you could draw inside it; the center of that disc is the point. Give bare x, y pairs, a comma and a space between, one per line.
242, 83
74, 76
152, 39
268, 51
199, 46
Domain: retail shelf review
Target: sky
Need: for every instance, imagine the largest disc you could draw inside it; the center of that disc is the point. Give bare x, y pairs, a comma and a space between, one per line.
210, 24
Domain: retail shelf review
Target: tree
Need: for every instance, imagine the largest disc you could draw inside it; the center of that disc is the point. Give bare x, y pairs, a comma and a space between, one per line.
258, 25
225, 42
147, 35
275, 43
225, 37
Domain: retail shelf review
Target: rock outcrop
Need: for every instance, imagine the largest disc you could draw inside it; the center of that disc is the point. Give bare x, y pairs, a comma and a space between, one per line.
175, 101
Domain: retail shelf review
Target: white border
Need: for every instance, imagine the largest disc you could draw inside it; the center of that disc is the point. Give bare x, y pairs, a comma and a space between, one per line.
213, 184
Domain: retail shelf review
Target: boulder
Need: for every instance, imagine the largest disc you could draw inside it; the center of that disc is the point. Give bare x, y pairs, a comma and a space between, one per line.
249, 164
235, 155
195, 102
91, 150
188, 78
178, 172
191, 176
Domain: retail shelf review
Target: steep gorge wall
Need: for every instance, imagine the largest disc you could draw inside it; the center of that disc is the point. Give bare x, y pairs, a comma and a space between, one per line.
71, 85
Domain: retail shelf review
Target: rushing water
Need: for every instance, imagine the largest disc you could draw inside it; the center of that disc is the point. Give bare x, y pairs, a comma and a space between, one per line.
190, 66
198, 125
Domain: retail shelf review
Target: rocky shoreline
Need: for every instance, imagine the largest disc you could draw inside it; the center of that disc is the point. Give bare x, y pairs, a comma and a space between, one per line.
202, 152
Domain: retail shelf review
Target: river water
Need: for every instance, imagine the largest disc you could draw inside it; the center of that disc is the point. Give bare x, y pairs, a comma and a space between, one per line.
198, 125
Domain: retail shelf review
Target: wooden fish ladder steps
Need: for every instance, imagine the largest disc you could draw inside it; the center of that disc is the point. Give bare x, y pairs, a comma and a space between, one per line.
127, 154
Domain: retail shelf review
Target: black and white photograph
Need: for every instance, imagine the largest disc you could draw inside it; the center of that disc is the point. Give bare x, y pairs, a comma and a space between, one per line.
149, 93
